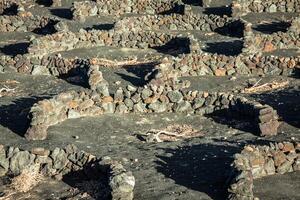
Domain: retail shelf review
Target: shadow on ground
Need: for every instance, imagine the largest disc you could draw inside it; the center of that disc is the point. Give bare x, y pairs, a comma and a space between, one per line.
220, 11
286, 102
139, 75
47, 29
105, 27
64, 13
15, 49
174, 47
15, 115
90, 181
233, 120
270, 28
228, 48
203, 167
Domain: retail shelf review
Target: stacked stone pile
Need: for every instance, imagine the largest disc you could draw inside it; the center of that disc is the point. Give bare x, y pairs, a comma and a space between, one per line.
24, 22
84, 9
163, 94
67, 40
242, 7
259, 43
260, 161
264, 115
193, 64
187, 21
62, 161
221, 65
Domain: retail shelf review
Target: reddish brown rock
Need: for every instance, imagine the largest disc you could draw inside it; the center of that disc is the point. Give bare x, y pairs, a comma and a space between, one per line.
269, 128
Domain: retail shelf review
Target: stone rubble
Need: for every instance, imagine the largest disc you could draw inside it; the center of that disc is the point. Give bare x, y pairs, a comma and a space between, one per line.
61, 161
259, 43
84, 9
243, 7
164, 93
259, 161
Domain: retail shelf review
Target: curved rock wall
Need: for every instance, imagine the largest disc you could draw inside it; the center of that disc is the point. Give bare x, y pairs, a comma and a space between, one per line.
260, 161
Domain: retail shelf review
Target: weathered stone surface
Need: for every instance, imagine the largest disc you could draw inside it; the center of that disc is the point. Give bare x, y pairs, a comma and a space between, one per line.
20, 161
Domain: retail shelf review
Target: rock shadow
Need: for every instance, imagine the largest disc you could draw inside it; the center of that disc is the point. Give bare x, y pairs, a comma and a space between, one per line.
193, 2
202, 167
47, 29
270, 28
228, 48
220, 11
232, 29
89, 180
234, 120
285, 101
103, 27
177, 9
174, 47
64, 13
77, 75
15, 115
11, 10
140, 71
15, 49
46, 3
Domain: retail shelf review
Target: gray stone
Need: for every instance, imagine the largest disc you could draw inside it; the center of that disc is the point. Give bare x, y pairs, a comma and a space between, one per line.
121, 108
122, 186
40, 70
4, 162
183, 106
285, 167
139, 107
20, 161
198, 103
272, 8
175, 96
108, 107
129, 103
146, 93
73, 114
59, 157
158, 107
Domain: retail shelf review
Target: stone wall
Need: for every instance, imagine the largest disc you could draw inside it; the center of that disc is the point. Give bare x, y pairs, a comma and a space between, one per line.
62, 161
242, 7
66, 40
188, 21
194, 64
221, 65
24, 22
258, 42
164, 93
260, 161
85, 9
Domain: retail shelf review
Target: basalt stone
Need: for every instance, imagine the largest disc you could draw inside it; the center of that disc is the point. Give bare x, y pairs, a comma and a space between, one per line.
269, 128
129, 103
121, 108
183, 106
122, 185
139, 107
175, 96
20, 161
285, 167
59, 157
73, 114
158, 107
146, 93
108, 107
4, 162
38, 132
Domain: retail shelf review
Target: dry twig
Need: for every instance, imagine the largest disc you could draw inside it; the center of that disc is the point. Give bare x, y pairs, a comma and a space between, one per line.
265, 87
